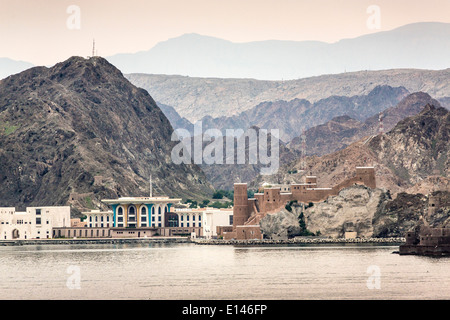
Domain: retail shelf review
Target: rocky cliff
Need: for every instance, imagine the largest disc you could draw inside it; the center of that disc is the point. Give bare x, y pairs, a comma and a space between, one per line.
61, 127
368, 212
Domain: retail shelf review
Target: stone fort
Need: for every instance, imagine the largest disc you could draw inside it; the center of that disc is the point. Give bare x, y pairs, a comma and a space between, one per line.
247, 213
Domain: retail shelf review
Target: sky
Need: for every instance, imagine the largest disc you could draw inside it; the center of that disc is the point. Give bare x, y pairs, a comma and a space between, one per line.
45, 32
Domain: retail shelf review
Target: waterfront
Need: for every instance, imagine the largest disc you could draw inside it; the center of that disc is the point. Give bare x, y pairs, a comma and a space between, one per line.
189, 271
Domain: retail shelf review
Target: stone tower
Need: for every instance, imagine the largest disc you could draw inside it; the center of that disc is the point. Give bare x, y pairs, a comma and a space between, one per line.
240, 210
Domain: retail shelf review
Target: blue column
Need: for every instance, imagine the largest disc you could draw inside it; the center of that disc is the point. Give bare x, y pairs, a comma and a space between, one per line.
149, 214
114, 206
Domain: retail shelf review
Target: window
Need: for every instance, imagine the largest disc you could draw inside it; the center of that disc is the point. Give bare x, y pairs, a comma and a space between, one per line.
120, 211
144, 211
159, 218
199, 224
153, 218
38, 212
187, 224
38, 220
187, 218
182, 217
143, 219
193, 224
231, 220
199, 218
193, 218
182, 224
90, 218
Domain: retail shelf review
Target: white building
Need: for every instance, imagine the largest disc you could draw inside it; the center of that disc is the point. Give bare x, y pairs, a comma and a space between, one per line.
35, 223
207, 218
99, 219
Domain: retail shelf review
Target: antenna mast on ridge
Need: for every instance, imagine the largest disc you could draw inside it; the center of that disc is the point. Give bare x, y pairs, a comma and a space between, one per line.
151, 188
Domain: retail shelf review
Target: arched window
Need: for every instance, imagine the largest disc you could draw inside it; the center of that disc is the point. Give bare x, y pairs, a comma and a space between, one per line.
131, 210
143, 211
120, 211
165, 209
159, 210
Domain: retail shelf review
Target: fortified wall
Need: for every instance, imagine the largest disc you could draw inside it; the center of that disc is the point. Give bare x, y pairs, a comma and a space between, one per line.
247, 213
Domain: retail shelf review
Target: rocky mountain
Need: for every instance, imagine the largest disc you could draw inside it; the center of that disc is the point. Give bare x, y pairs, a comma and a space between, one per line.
203, 56
195, 98
79, 131
341, 131
10, 66
415, 149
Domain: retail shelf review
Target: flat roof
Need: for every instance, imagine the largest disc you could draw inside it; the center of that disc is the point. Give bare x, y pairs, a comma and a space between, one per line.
132, 200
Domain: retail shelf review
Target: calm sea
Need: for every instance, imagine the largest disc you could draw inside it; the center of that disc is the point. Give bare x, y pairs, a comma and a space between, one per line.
188, 271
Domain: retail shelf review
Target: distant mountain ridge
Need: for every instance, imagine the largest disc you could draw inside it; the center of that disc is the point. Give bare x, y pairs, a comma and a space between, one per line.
10, 66
292, 117
204, 56
195, 98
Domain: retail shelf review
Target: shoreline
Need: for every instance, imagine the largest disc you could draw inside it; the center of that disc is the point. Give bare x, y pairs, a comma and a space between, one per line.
396, 241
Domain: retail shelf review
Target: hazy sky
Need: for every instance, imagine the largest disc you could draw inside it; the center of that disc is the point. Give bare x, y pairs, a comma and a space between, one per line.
49, 31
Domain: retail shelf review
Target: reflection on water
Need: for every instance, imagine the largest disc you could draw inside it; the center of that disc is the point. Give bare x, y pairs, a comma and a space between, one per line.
187, 271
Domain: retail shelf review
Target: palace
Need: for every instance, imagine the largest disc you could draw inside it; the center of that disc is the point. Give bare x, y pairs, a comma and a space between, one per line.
143, 217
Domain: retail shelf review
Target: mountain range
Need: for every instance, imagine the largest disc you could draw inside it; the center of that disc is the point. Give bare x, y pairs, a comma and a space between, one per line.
341, 131
195, 98
196, 55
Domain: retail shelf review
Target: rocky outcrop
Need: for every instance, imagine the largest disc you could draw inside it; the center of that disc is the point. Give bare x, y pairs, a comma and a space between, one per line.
352, 210
281, 225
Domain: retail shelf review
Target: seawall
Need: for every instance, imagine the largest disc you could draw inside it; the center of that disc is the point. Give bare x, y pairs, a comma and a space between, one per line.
395, 241
94, 241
